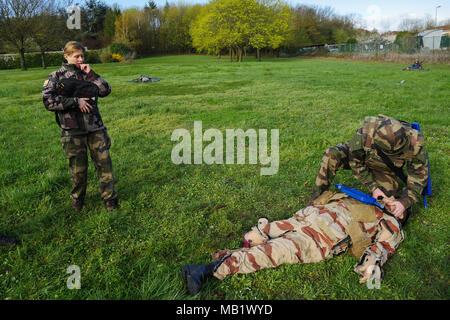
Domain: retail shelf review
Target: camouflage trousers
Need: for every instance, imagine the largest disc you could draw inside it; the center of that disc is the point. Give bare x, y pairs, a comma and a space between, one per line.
337, 158
76, 147
314, 234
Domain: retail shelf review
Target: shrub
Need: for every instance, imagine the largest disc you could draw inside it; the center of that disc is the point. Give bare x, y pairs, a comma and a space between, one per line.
34, 60
92, 56
119, 48
106, 56
117, 57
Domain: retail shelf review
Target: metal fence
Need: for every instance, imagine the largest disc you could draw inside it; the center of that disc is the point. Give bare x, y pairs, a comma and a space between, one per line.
407, 45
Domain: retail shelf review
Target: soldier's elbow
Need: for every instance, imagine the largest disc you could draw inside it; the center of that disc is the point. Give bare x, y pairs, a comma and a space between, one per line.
105, 93
48, 106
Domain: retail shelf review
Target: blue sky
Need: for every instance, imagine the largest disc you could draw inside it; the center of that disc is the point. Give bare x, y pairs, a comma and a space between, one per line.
382, 14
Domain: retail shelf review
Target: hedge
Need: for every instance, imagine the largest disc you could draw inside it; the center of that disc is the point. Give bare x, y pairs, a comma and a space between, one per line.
33, 60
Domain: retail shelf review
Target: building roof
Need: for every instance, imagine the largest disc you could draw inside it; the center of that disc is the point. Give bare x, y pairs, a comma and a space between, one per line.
429, 32
390, 33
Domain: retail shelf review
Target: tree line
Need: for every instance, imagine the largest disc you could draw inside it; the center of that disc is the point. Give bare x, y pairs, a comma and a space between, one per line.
235, 27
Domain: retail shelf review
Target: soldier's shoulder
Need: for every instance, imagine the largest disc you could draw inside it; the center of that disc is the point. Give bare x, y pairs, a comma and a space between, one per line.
416, 142
55, 76
367, 131
58, 74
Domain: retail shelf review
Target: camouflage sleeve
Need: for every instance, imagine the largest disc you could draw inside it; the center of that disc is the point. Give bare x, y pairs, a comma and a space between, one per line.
52, 100
103, 86
357, 162
417, 177
388, 237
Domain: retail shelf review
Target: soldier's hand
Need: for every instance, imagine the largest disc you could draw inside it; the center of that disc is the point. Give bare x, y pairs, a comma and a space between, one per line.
85, 107
397, 208
377, 192
85, 67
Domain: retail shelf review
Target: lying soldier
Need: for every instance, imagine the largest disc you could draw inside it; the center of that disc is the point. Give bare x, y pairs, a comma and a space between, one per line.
416, 66
144, 78
333, 224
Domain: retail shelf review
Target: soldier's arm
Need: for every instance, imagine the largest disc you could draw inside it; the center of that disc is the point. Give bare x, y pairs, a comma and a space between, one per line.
356, 161
53, 101
103, 86
388, 237
417, 177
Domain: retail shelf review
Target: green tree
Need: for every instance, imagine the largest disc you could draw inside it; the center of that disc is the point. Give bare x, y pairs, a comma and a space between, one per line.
340, 36
312, 25
93, 14
128, 28
270, 27
109, 24
235, 24
204, 31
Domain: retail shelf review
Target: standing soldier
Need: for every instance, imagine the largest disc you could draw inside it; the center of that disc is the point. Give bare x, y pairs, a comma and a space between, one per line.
334, 224
82, 126
376, 155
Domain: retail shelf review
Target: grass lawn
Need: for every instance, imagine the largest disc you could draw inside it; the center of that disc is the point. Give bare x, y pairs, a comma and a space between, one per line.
173, 215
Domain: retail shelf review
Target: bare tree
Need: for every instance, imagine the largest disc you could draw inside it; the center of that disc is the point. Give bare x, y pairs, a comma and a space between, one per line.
17, 23
49, 28
411, 25
429, 22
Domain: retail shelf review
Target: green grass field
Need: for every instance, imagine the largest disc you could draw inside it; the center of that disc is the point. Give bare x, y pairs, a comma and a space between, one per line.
173, 215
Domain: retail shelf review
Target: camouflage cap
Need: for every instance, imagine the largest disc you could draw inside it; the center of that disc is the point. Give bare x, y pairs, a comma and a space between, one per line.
390, 136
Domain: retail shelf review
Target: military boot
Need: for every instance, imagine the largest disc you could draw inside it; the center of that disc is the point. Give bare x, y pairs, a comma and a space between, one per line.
111, 204
6, 241
195, 276
77, 204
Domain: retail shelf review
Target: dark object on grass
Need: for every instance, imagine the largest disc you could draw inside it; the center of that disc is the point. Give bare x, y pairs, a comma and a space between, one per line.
77, 88
77, 204
196, 275
6, 241
144, 78
112, 204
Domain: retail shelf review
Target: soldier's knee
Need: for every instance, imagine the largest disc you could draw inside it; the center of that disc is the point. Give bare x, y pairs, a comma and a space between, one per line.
384, 234
334, 152
388, 230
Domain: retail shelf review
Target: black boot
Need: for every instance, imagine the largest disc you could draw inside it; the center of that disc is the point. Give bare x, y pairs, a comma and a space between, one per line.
112, 204
77, 204
195, 276
5, 241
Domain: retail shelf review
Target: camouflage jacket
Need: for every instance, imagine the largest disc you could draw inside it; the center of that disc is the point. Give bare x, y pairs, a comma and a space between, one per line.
364, 159
67, 112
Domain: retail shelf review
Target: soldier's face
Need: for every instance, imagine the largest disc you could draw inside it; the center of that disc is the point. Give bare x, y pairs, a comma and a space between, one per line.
75, 58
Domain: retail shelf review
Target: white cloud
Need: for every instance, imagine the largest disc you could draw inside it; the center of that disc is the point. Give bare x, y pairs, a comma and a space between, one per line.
375, 18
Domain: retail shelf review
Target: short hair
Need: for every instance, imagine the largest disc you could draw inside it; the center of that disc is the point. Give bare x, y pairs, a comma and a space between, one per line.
71, 46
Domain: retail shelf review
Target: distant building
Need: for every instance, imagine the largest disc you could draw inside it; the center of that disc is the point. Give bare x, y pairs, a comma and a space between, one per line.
433, 39
389, 36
